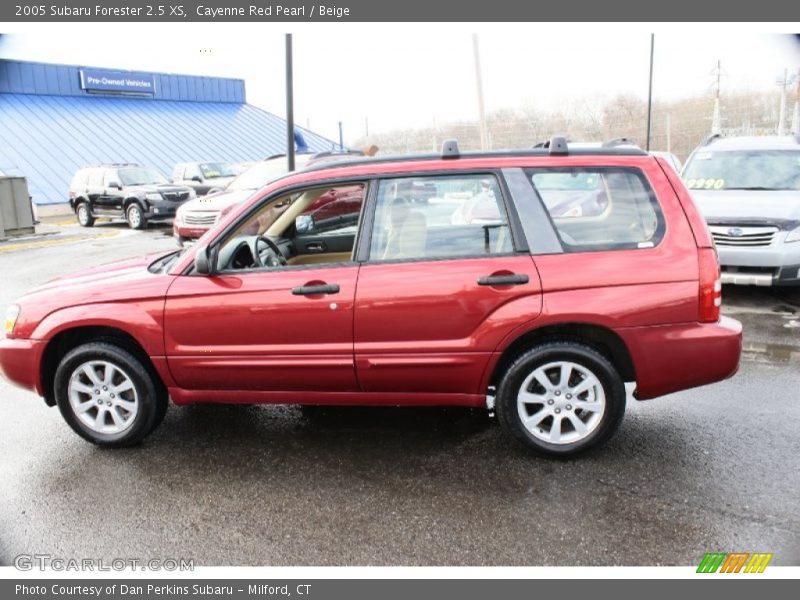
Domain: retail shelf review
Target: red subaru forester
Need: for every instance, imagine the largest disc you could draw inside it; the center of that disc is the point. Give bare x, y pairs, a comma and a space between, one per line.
533, 283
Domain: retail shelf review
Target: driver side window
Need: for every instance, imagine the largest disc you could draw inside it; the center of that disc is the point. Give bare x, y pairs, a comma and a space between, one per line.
312, 226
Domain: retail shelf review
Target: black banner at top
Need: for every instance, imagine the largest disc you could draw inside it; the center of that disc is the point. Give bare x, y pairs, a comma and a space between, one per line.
294, 11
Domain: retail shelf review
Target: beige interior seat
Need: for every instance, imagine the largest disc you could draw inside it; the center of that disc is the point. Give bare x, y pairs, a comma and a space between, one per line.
408, 233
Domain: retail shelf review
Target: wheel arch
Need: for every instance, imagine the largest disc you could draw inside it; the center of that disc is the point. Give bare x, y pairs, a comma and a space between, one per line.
64, 341
604, 340
130, 200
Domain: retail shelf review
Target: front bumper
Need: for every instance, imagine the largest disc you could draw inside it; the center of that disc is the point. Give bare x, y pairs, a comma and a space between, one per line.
778, 264
19, 362
189, 232
670, 358
161, 209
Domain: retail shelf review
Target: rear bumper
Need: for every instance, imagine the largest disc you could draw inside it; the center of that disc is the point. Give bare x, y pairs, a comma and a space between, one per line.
671, 358
19, 362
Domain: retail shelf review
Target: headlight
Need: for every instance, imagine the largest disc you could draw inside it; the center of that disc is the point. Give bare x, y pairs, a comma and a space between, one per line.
12, 314
794, 235
153, 197
192, 194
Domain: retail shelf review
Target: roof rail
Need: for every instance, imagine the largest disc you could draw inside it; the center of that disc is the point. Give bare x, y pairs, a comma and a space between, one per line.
620, 141
712, 138
450, 149
557, 145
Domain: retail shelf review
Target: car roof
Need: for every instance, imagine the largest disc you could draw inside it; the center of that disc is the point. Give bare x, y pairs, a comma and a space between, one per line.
557, 146
754, 142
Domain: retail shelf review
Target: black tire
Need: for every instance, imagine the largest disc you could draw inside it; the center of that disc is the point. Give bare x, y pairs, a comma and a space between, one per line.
588, 360
84, 214
151, 400
135, 216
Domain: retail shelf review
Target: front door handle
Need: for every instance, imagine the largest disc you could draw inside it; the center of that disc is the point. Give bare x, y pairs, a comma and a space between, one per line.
511, 279
315, 247
316, 290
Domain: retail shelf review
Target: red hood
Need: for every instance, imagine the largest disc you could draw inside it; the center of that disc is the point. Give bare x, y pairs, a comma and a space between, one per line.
126, 281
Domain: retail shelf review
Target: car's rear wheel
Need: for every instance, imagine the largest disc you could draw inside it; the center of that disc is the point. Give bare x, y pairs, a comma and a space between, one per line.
135, 216
561, 398
84, 215
107, 395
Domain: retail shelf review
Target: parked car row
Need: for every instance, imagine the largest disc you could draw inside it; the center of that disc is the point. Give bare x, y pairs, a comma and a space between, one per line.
140, 194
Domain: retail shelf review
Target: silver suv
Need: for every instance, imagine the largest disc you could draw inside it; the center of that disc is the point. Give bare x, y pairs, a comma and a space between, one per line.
748, 189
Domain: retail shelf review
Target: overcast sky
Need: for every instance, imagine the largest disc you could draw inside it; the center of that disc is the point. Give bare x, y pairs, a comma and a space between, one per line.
410, 75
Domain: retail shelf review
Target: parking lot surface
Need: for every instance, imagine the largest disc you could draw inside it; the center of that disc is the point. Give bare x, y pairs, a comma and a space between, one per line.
712, 469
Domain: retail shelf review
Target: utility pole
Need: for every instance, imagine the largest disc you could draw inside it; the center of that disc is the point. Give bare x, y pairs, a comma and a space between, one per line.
650, 92
479, 84
669, 141
784, 83
796, 116
716, 120
289, 105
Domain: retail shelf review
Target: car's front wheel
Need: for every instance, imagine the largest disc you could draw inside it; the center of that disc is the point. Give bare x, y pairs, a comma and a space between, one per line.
135, 216
107, 395
561, 398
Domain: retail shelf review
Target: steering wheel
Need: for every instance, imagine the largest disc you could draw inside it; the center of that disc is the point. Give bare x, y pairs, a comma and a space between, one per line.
273, 255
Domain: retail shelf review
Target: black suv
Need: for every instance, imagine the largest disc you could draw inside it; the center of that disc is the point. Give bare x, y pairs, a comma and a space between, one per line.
134, 192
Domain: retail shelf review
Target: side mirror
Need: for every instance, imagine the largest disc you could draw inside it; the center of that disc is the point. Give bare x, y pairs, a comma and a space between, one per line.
202, 262
304, 224
115, 184
197, 178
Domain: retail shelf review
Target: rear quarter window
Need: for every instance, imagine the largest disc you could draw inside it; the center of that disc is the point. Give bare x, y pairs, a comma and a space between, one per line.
596, 209
79, 180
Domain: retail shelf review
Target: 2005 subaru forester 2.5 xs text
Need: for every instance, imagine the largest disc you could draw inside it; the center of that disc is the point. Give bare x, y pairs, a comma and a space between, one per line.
535, 283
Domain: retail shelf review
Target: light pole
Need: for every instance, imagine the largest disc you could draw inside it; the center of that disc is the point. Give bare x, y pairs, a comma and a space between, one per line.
650, 92
289, 105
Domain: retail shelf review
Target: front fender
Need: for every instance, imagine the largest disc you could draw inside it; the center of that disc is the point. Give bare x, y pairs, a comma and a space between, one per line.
143, 321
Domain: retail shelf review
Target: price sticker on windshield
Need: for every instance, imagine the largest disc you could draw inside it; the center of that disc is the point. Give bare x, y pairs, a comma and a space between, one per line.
702, 183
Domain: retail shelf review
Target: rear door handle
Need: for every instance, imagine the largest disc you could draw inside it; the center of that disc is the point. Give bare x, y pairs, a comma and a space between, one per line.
316, 290
512, 279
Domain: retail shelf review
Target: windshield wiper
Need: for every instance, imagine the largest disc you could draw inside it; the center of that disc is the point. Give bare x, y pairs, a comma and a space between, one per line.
755, 188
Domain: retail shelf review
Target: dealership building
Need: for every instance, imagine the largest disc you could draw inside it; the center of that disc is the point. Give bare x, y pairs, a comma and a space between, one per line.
55, 119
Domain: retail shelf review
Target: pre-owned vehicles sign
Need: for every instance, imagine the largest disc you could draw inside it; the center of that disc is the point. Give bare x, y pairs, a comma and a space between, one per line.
117, 82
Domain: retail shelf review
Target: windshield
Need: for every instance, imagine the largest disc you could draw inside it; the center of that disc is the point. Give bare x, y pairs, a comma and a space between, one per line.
744, 170
261, 173
140, 176
212, 170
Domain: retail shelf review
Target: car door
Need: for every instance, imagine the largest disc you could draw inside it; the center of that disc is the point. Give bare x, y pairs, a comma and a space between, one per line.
112, 198
95, 191
443, 283
280, 328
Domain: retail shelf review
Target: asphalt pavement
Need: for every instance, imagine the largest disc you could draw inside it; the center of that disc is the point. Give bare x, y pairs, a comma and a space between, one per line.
712, 469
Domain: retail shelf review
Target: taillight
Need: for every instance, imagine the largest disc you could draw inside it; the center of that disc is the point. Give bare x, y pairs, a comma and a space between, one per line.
710, 286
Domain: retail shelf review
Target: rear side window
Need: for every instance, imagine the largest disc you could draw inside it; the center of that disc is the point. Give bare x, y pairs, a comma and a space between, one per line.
95, 178
439, 217
596, 209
